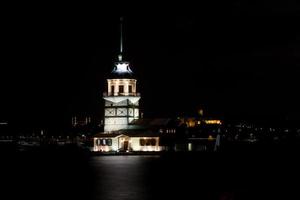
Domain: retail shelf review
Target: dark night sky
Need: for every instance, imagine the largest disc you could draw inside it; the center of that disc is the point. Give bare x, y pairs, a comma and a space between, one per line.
236, 59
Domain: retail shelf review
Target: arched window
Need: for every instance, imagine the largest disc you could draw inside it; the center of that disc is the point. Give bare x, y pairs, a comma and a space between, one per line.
153, 142
148, 142
108, 142
112, 90
98, 142
130, 88
121, 88
142, 142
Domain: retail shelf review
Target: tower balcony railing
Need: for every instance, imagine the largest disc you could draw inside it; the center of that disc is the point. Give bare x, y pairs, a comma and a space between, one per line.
111, 94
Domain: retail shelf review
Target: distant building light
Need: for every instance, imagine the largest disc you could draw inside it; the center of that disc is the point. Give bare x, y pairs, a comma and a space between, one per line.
213, 121
190, 147
210, 137
200, 112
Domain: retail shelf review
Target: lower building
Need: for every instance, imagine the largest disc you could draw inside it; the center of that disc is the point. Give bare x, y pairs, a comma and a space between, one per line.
160, 134
127, 142
141, 135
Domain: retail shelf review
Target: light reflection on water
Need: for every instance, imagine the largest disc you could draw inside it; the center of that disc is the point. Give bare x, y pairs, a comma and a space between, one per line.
153, 177
70, 174
121, 177
205, 177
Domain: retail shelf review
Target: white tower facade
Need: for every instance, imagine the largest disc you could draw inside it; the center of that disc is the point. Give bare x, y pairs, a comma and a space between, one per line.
121, 98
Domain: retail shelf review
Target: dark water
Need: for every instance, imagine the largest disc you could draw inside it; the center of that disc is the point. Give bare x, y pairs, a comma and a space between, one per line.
71, 173
198, 176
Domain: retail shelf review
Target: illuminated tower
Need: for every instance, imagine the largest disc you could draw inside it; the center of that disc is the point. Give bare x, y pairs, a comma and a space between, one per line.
121, 99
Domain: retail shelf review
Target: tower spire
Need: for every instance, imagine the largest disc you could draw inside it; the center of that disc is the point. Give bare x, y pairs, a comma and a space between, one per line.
121, 39
121, 67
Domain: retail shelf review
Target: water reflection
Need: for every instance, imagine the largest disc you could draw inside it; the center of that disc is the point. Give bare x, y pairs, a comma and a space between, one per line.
121, 177
70, 173
153, 177
203, 177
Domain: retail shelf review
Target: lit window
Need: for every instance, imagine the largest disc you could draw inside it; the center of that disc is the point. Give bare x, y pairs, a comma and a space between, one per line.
148, 142
104, 142
98, 142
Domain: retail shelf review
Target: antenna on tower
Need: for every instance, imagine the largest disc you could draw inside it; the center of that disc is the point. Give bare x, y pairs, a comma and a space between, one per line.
121, 38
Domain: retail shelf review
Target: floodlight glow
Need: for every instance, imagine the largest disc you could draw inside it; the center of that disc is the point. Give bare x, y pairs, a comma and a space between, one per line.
122, 67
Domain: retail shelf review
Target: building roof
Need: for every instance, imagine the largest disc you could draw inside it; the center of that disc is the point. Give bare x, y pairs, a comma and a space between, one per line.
129, 133
139, 133
107, 135
151, 122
